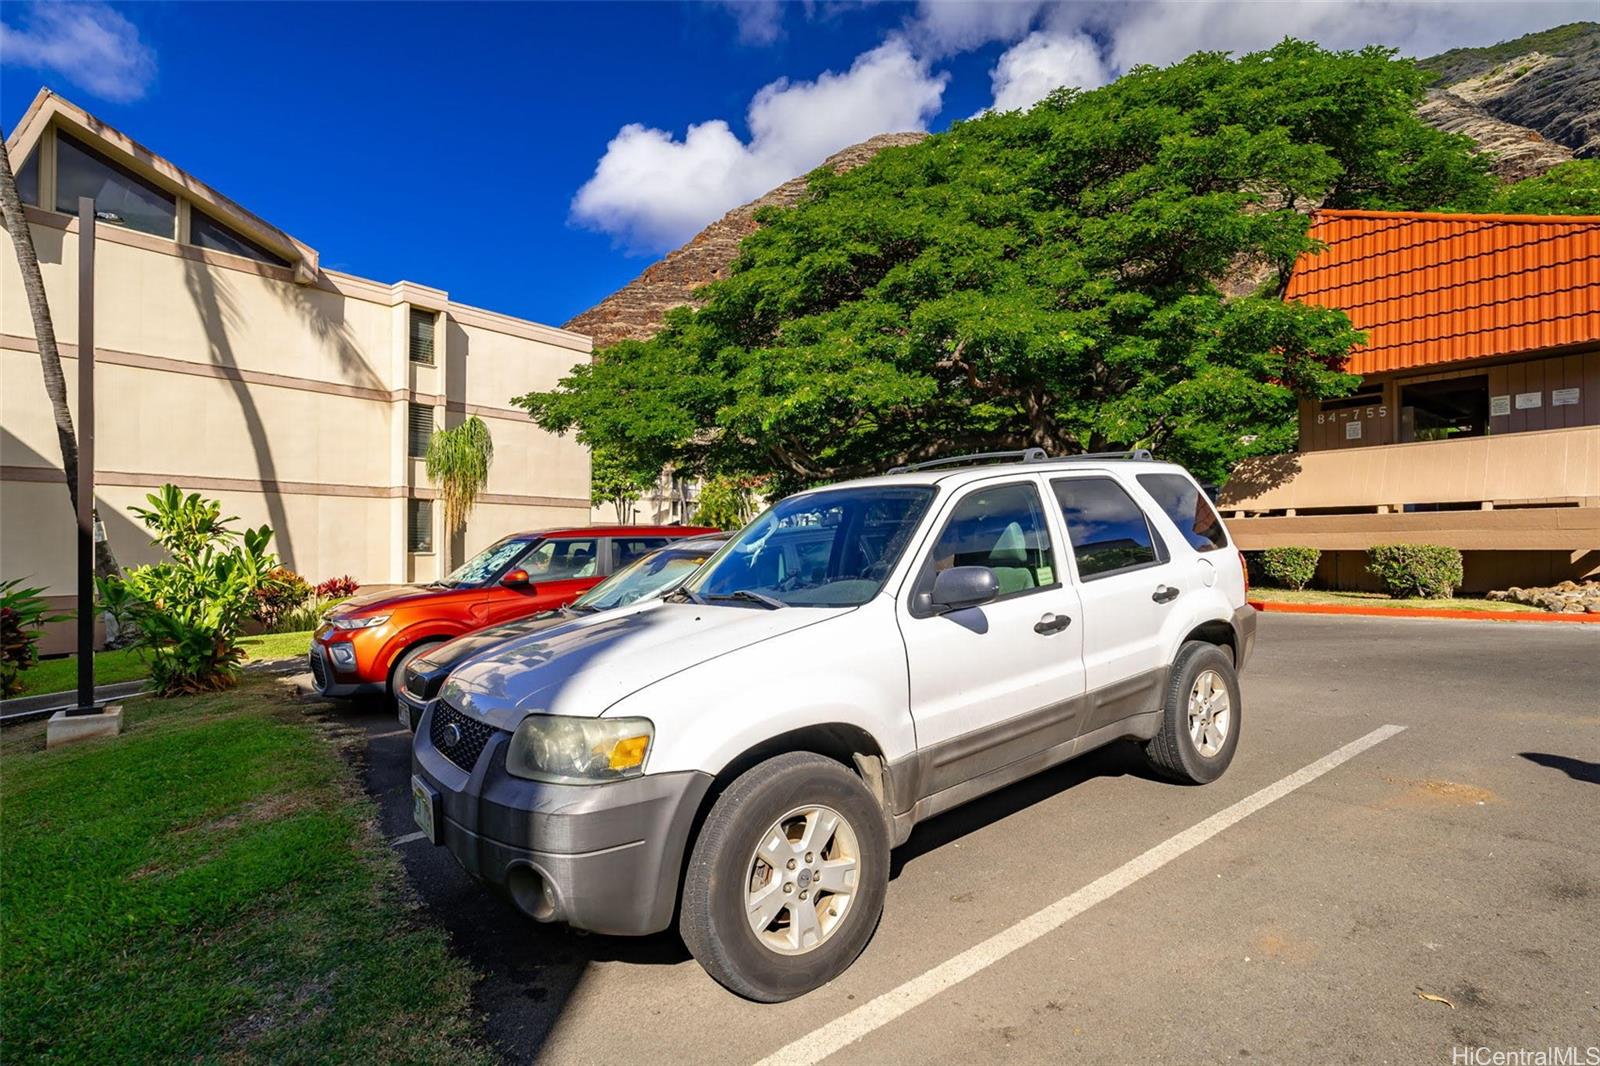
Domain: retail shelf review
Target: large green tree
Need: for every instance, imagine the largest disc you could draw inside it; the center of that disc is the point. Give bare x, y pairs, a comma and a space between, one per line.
1052, 278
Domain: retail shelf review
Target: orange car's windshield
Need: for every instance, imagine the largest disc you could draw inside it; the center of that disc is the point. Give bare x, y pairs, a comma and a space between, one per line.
488, 564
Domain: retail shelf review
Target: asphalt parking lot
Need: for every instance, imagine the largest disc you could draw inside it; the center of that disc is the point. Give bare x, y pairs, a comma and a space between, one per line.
1456, 858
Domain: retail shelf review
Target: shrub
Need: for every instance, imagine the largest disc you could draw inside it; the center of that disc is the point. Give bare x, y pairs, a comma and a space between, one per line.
282, 592
23, 613
188, 611
337, 588
1290, 567
1408, 570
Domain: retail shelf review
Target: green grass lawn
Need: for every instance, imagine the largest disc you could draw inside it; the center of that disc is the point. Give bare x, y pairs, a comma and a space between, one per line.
1379, 599
210, 887
110, 667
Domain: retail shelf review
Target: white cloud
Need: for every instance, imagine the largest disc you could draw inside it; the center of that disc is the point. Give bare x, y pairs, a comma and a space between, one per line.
653, 191
1042, 62
759, 21
1164, 32
91, 45
945, 27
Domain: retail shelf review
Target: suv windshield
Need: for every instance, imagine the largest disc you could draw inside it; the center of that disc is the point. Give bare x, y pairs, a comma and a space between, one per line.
487, 564
832, 548
641, 579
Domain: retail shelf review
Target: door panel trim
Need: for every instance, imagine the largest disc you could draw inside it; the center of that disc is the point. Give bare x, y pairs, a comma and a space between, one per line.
962, 768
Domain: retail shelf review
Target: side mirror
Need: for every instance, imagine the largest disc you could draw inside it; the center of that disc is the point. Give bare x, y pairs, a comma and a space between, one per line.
963, 586
515, 579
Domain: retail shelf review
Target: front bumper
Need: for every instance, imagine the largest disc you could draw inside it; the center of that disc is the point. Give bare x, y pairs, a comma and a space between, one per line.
603, 857
327, 681
1244, 634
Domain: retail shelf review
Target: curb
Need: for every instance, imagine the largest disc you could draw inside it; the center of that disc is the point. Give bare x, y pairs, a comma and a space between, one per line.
44, 704
1273, 607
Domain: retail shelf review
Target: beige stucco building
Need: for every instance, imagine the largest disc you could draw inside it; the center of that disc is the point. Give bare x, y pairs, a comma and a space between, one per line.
230, 362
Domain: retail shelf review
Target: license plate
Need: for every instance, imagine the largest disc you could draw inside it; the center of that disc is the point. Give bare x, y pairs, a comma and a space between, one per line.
422, 799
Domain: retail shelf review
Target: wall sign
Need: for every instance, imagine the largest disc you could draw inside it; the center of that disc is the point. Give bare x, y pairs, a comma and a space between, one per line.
1352, 431
1564, 397
1499, 405
1527, 400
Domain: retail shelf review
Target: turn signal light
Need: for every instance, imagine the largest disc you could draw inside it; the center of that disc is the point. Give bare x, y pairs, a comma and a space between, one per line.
629, 752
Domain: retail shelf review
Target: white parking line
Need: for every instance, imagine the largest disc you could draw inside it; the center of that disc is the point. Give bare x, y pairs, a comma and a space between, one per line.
880, 1011
391, 733
407, 839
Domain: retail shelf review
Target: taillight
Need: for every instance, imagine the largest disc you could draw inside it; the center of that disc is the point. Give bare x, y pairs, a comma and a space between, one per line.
1244, 569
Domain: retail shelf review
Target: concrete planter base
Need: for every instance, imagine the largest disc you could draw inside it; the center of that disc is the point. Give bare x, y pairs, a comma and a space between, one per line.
65, 729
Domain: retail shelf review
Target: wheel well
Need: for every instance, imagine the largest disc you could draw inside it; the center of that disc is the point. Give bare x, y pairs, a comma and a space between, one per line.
851, 746
399, 656
1215, 632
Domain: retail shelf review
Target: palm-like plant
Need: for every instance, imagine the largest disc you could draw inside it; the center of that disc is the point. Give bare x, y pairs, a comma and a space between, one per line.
458, 465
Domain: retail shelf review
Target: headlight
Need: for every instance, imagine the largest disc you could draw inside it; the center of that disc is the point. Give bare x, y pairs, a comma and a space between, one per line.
359, 623
578, 751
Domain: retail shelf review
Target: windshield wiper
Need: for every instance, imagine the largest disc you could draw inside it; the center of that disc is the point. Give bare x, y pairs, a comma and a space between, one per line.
771, 603
580, 608
682, 593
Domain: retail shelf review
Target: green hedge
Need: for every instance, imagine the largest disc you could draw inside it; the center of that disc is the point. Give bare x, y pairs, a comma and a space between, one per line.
1409, 570
1290, 567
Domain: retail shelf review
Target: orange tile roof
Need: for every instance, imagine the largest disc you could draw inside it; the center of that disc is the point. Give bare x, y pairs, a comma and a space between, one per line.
1437, 288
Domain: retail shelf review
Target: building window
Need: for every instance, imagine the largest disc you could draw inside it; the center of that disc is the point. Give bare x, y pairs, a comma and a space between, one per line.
419, 526
207, 232
420, 423
422, 326
28, 181
1440, 410
121, 198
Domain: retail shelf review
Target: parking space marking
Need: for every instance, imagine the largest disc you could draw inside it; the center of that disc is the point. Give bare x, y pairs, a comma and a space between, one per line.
407, 839
391, 733
878, 1012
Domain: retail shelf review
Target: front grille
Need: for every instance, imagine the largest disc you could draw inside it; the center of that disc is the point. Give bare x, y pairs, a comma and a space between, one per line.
319, 669
458, 737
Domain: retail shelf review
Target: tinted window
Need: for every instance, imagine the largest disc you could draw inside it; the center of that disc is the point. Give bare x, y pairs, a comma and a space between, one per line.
1107, 529
1186, 505
120, 197
28, 181
1003, 528
832, 548
650, 576
554, 559
625, 550
206, 232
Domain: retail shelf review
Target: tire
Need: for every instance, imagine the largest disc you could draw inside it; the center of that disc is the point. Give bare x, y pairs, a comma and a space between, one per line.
397, 670
797, 790
1174, 752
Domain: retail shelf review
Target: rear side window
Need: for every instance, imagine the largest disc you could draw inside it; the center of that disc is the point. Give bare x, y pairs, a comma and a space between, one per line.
1188, 508
626, 549
1109, 532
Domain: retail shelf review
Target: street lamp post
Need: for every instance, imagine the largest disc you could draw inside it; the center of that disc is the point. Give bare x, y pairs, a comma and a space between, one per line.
86, 613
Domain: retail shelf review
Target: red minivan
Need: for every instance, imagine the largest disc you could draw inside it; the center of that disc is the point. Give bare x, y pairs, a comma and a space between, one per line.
365, 643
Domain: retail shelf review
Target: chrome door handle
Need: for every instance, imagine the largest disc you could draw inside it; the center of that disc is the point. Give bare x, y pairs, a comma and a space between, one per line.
1165, 593
1052, 623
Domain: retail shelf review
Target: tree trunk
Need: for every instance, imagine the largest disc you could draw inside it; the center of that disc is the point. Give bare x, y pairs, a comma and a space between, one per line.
55, 383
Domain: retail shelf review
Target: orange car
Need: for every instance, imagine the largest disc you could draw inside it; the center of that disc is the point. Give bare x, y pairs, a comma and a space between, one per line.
365, 643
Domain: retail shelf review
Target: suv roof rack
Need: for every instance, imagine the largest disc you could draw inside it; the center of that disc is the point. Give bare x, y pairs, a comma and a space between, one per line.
1026, 455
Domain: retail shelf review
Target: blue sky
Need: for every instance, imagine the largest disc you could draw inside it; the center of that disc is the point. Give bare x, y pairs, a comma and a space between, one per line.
532, 158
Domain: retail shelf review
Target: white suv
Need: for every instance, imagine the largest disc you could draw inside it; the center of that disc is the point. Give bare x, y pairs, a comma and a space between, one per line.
744, 754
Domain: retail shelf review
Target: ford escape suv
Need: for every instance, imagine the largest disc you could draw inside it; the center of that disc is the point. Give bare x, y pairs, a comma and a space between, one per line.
740, 757
365, 643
